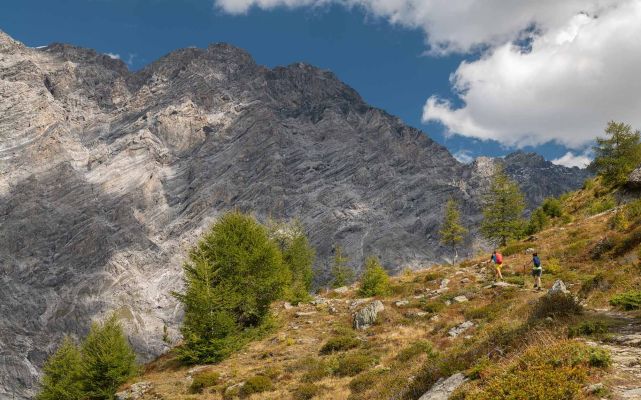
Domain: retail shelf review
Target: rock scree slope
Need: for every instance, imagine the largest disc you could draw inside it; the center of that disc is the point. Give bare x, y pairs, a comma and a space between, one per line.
107, 176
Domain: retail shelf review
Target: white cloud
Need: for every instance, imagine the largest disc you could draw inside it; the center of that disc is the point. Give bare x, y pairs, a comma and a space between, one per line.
464, 156
574, 80
570, 160
579, 72
113, 56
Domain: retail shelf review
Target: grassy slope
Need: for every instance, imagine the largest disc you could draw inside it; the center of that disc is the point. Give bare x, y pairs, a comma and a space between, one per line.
392, 354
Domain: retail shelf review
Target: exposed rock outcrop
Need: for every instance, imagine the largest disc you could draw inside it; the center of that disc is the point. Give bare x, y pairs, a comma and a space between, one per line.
367, 316
443, 388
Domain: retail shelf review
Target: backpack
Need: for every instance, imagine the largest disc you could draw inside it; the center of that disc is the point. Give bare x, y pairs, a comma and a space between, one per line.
499, 258
537, 262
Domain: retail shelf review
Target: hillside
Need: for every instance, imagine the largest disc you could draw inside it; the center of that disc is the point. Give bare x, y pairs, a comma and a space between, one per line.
450, 319
108, 176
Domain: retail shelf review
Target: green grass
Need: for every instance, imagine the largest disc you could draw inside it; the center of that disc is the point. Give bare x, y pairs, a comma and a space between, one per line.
628, 300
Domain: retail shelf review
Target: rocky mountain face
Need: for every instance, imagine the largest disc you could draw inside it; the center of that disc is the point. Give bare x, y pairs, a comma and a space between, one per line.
108, 176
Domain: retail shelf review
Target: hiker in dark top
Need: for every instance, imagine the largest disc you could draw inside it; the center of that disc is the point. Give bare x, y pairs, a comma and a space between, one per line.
537, 270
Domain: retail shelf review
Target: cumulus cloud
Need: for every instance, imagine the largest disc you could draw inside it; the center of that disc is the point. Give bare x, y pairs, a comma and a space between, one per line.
570, 160
113, 56
577, 70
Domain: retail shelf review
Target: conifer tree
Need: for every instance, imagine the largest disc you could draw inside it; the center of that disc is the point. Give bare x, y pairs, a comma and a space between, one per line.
452, 232
107, 360
618, 154
375, 281
62, 374
538, 221
299, 256
233, 275
503, 210
342, 275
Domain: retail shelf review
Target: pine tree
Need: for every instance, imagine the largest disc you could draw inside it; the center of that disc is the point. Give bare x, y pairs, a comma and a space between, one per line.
452, 232
342, 275
62, 374
503, 210
617, 155
232, 277
299, 256
107, 360
375, 281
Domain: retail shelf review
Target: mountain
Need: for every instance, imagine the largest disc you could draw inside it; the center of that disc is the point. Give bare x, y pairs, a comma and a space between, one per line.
108, 176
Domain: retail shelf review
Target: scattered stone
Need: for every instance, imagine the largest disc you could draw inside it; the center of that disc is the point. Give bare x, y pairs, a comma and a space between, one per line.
442, 290
418, 297
443, 388
457, 330
304, 313
444, 283
501, 284
460, 299
342, 289
558, 287
532, 238
287, 306
465, 280
367, 315
594, 389
435, 318
634, 179
318, 300
530, 250
448, 303
135, 392
401, 303
355, 303
459, 272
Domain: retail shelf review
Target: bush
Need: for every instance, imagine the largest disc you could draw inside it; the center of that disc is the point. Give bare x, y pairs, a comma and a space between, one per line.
599, 357
414, 350
601, 204
628, 242
433, 307
232, 277
628, 301
340, 343
364, 382
552, 266
556, 372
539, 220
306, 391
432, 276
552, 207
588, 328
514, 248
354, 363
256, 384
203, 380
598, 281
375, 281
556, 305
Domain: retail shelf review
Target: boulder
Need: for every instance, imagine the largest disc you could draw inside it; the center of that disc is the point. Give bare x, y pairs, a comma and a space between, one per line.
342, 289
134, 392
558, 287
634, 179
366, 316
460, 299
401, 303
444, 283
457, 330
443, 388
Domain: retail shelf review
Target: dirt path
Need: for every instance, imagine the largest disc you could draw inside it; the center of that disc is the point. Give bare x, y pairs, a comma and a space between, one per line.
624, 344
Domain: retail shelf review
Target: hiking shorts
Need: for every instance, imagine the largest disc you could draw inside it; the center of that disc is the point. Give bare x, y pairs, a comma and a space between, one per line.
537, 272
498, 266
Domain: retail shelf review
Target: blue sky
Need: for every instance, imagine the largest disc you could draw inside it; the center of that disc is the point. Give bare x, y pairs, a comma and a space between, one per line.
386, 63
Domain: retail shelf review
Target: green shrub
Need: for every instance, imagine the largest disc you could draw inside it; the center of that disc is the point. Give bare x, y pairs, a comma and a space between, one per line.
589, 184
601, 204
313, 368
619, 221
601, 247
256, 384
351, 364
588, 328
433, 306
203, 380
599, 357
233, 275
432, 276
556, 305
628, 300
556, 372
306, 391
488, 312
340, 343
552, 266
633, 210
552, 207
375, 281
628, 242
598, 281
365, 381
514, 248
414, 350
539, 220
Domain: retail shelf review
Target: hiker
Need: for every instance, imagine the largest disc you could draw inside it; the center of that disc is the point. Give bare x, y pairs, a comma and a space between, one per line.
497, 259
537, 270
